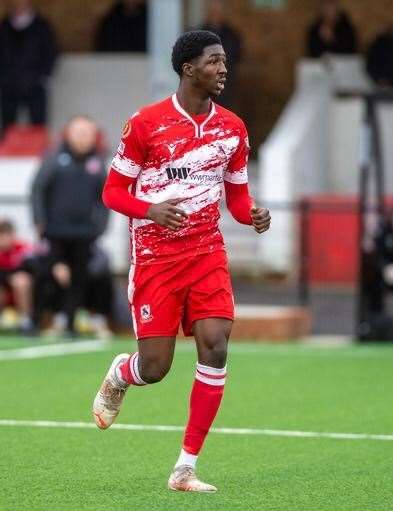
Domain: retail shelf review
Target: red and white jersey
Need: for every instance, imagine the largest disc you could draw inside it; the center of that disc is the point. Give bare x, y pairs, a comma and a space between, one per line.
174, 155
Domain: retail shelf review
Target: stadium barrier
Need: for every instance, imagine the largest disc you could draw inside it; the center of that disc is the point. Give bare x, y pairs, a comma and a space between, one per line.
318, 296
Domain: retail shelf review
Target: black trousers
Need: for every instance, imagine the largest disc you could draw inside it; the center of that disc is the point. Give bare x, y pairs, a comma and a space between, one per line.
99, 297
50, 296
76, 255
34, 99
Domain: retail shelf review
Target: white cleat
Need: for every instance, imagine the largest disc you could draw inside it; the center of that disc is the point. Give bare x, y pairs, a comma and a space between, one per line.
183, 478
106, 405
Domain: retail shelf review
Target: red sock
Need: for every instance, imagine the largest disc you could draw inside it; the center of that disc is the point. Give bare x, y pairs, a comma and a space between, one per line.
129, 371
205, 400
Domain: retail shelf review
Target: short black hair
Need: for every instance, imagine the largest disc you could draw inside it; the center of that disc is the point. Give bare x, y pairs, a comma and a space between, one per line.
190, 45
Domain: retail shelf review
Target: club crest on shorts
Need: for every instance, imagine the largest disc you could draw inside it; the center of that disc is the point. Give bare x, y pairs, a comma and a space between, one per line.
146, 314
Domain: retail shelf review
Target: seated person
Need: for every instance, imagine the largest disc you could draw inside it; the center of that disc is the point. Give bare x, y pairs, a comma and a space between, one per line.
53, 283
123, 28
331, 32
379, 59
16, 281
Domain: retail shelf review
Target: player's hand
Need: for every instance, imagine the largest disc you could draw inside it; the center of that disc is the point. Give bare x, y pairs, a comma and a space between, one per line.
260, 219
167, 214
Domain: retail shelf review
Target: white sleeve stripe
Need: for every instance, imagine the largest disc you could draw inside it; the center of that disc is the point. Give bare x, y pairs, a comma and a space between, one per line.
239, 177
113, 165
126, 166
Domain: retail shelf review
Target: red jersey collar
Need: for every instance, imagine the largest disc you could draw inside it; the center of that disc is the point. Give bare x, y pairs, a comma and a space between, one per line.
199, 128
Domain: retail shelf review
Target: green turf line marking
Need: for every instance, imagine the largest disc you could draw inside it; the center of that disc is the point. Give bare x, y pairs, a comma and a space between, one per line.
56, 350
224, 431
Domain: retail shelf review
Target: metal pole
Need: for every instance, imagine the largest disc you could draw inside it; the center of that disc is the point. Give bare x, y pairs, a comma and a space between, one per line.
304, 276
366, 153
377, 157
165, 26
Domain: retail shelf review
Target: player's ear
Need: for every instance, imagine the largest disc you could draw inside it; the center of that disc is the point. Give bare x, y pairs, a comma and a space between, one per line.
188, 69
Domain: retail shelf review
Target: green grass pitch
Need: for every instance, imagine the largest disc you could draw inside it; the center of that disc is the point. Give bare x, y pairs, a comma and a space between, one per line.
287, 387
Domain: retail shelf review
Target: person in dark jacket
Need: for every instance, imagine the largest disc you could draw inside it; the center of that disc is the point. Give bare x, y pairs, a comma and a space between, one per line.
27, 56
380, 58
67, 206
52, 282
216, 22
331, 32
123, 28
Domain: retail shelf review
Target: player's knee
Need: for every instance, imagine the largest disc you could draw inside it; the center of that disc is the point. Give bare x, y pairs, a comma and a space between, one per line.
62, 274
215, 351
153, 371
21, 281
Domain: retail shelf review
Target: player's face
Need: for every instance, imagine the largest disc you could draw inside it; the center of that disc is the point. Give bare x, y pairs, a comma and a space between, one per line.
210, 70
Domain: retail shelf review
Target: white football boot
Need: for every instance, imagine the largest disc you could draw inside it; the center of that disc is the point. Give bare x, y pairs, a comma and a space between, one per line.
106, 405
183, 478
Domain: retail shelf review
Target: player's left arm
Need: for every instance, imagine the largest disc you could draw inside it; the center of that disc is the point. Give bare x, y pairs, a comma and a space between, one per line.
239, 201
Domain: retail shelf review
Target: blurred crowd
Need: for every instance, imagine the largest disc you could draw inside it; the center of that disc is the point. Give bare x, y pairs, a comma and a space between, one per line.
28, 48
333, 32
28, 52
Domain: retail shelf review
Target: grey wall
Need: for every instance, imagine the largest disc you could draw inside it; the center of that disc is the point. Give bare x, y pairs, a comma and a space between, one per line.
109, 88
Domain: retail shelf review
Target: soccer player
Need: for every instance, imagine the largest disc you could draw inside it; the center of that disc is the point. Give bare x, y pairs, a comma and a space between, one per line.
167, 178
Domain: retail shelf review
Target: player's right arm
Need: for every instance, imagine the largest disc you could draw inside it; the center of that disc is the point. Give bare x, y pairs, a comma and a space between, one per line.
126, 166
117, 196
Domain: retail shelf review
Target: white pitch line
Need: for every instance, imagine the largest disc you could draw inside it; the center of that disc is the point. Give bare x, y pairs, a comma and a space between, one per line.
300, 350
54, 350
224, 431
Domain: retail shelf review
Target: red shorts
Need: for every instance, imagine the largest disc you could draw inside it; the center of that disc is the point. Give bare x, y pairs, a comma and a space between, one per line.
162, 295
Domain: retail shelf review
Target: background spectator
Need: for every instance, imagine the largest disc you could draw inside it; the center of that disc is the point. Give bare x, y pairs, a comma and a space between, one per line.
331, 32
216, 22
67, 206
380, 58
53, 282
123, 28
16, 282
27, 56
